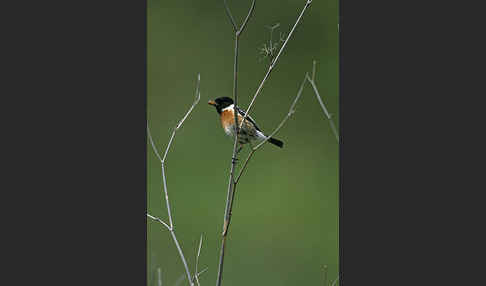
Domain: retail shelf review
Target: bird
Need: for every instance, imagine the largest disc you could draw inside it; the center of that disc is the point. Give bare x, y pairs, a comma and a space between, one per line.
249, 132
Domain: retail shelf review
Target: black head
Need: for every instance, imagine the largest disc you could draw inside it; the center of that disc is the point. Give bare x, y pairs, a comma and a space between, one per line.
220, 103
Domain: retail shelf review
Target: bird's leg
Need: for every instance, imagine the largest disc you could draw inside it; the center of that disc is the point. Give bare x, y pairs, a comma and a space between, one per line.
235, 158
239, 149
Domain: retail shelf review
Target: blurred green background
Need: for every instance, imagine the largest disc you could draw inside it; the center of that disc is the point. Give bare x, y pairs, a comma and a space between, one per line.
284, 227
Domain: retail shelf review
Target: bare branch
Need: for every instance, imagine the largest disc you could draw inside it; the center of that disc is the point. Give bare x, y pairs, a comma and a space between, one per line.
325, 275
174, 238
170, 226
331, 122
202, 271
171, 229
199, 250
250, 13
152, 142
196, 273
231, 184
230, 16
245, 164
167, 203
291, 111
335, 281
168, 145
319, 98
291, 31
196, 100
159, 220
232, 20
274, 61
179, 280
188, 273
313, 70
159, 277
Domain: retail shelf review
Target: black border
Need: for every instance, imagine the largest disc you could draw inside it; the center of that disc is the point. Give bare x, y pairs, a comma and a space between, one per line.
78, 72
406, 196
81, 81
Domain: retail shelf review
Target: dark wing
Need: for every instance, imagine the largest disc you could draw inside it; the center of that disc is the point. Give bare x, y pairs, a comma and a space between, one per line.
242, 113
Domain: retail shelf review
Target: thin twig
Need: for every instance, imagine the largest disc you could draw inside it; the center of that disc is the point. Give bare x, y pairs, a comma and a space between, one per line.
196, 273
245, 164
167, 203
180, 279
230, 16
325, 275
291, 111
159, 220
319, 98
170, 226
182, 257
274, 62
232, 20
159, 277
335, 281
153, 145
250, 13
202, 271
196, 100
163, 172
231, 184
331, 122
313, 70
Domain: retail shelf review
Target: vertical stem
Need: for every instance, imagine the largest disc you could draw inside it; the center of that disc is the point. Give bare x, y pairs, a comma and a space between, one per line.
231, 184
235, 89
325, 275
313, 70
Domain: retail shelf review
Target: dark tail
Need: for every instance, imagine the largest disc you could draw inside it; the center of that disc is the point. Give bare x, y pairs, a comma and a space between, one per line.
276, 142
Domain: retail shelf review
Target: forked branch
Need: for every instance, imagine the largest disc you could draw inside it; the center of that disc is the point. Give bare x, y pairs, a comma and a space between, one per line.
289, 114
232, 20
196, 271
170, 225
335, 281
321, 103
231, 185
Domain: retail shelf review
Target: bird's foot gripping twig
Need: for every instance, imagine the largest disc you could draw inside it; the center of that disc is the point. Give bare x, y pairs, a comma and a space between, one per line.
239, 149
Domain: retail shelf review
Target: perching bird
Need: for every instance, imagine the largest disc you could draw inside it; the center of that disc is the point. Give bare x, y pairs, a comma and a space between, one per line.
248, 132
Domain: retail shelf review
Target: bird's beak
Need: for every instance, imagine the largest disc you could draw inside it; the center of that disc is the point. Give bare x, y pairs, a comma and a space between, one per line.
211, 102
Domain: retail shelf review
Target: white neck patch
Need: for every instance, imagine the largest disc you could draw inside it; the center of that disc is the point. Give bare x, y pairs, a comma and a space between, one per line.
228, 108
